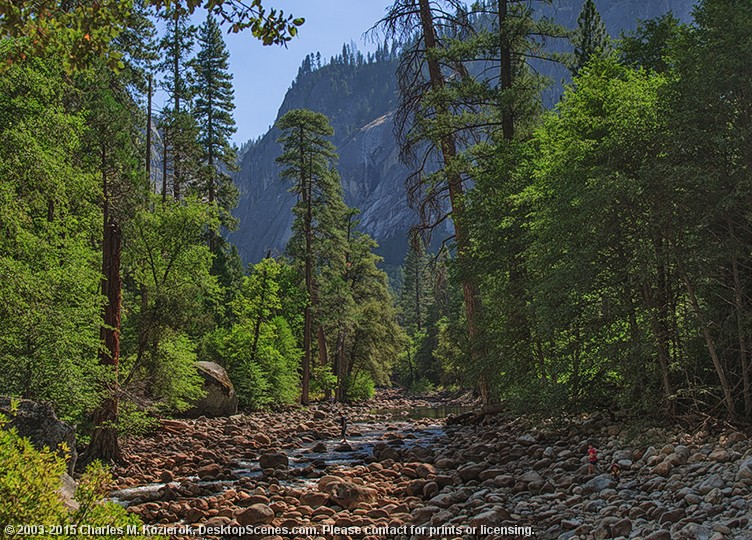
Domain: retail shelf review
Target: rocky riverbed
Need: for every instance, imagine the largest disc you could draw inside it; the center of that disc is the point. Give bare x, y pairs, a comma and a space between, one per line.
402, 477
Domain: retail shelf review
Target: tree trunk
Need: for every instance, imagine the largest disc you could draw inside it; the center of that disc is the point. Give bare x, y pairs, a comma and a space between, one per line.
148, 132
164, 164
740, 330
308, 315
323, 355
104, 441
507, 113
176, 179
341, 366
448, 146
725, 387
259, 318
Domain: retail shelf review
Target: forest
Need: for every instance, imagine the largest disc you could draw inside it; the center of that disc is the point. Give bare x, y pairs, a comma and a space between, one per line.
601, 256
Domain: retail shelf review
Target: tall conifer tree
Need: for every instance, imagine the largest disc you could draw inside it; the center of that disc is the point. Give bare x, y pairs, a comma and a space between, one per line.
307, 158
590, 38
213, 110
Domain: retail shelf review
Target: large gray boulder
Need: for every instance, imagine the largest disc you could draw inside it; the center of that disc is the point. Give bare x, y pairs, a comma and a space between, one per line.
38, 423
220, 398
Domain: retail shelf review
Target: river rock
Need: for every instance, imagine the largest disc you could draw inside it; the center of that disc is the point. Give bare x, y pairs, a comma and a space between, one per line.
314, 499
598, 484
694, 531
67, 492
319, 448
257, 514
663, 468
38, 423
709, 484
424, 470
220, 398
349, 495
720, 455
661, 534
745, 470
274, 460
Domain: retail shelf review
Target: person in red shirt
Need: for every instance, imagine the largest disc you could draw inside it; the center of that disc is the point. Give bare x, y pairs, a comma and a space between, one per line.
592, 458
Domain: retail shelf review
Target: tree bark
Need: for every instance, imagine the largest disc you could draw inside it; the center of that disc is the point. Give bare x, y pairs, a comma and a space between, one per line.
710, 343
307, 193
507, 113
448, 148
148, 132
104, 440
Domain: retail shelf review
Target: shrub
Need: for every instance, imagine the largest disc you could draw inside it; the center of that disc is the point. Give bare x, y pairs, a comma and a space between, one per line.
360, 387
175, 379
134, 421
322, 381
29, 486
421, 387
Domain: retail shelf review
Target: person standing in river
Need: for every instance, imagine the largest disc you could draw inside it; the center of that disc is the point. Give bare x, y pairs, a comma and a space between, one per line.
343, 427
592, 458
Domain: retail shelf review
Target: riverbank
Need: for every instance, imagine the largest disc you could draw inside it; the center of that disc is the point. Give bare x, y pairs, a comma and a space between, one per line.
400, 476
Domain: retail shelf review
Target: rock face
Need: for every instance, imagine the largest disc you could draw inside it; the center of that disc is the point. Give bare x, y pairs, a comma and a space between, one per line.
220, 398
38, 423
360, 100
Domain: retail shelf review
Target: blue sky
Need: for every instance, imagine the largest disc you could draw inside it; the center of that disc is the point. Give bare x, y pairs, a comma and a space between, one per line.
263, 74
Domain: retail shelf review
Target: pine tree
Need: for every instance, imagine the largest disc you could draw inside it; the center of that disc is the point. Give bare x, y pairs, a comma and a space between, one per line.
590, 38
307, 158
416, 295
177, 44
213, 108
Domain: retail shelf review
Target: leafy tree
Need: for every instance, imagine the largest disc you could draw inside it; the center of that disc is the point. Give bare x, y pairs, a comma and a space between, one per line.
711, 154
170, 263
79, 33
652, 44
50, 309
416, 294
599, 251
368, 336
259, 350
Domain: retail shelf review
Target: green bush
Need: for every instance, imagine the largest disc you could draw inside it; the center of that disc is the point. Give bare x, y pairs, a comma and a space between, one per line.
251, 385
360, 388
29, 486
322, 381
421, 387
134, 421
268, 377
175, 379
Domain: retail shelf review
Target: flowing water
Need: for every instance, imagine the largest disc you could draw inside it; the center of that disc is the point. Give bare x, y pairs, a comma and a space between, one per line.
389, 426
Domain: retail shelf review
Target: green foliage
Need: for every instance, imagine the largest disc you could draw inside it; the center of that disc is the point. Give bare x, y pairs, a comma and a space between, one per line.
213, 106
259, 350
175, 296
421, 387
652, 45
133, 421
174, 379
360, 387
29, 495
82, 33
49, 268
323, 381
